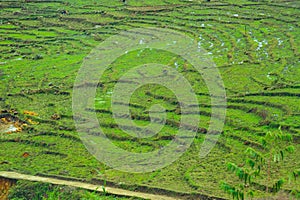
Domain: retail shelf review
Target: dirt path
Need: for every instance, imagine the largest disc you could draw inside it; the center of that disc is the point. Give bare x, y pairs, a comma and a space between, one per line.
111, 190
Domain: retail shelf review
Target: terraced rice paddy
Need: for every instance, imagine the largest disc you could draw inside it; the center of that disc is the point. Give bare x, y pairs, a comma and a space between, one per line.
255, 45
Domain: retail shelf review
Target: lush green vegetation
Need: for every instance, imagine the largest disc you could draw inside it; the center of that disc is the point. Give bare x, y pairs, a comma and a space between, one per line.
255, 45
275, 146
24, 190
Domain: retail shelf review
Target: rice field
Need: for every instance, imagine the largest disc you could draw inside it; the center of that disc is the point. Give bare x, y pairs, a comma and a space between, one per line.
254, 44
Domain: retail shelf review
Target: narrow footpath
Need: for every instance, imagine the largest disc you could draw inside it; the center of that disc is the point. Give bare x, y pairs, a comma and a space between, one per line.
88, 186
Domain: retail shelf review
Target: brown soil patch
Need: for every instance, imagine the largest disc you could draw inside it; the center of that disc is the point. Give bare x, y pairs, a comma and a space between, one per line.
5, 185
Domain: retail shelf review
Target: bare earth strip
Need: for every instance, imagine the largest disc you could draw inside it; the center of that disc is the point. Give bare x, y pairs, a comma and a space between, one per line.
111, 190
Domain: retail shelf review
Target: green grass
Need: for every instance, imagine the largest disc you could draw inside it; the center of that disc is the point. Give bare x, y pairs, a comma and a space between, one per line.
255, 46
37, 191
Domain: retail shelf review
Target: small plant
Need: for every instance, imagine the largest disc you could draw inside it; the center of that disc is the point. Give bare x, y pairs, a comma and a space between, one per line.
274, 146
294, 176
103, 188
245, 174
